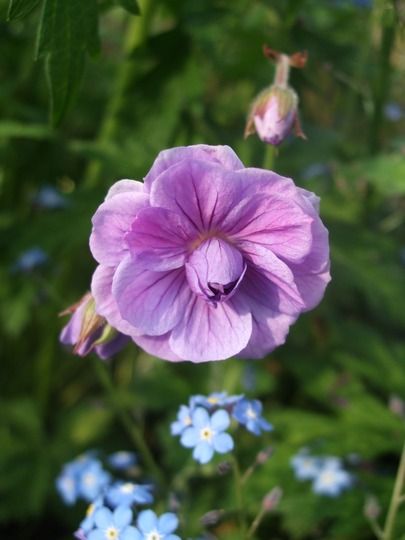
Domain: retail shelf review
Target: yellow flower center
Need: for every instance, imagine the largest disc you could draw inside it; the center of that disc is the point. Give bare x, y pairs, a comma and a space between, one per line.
154, 535
206, 434
89, 479
112, 533
127, 488
250, 413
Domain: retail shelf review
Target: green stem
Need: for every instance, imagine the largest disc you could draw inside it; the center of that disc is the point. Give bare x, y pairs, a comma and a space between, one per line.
376, 529
256, 522
396, 499
239, 497
137, 32
269, 157
127, 421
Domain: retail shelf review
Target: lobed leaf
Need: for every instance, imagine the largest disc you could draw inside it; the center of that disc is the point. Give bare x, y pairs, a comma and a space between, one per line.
68, 30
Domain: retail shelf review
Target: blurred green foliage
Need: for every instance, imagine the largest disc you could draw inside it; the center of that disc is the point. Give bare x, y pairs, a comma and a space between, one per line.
181, 73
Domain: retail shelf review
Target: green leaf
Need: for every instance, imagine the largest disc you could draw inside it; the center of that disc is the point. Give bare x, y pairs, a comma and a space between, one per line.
131, 6
386, 172
67, 31
10, 129
20, 8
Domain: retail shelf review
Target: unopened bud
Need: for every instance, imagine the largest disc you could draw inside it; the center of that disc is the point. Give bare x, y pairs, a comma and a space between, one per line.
211, 518
396, 405
87, 330
272, 499
224, 468
371, 508
275, 110
273, 114
174, 503
264, 455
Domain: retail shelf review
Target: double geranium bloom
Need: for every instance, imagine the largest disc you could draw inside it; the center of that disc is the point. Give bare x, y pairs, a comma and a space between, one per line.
207, 259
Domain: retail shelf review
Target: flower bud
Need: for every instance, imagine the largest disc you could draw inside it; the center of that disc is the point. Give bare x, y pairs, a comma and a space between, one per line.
273, 114
272, 499
88, 331
371, 508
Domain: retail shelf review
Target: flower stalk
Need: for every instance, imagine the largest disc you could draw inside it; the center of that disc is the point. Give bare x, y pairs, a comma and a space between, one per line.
237, 477
397, 498
127, 422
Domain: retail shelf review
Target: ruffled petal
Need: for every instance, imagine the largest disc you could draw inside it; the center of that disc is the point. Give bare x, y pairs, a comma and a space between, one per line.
153, 302
269, 327
212, 332
274, 222
159, 239
106, 305
220, 155
112, 220
158, 346
197, 191
278, 287
125, 186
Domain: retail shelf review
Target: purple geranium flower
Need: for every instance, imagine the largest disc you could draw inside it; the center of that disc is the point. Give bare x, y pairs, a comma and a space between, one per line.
206, 434
152, 527
248, 412
207, 259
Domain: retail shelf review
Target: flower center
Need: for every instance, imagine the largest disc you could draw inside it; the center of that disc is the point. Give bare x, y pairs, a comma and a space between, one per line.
89, 480
112, 533
154, 535
215, 269
206, 434
250, 413
328, 478
127, 487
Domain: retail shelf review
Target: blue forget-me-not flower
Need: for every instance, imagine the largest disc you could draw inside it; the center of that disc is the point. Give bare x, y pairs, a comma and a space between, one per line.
113, 525
128, 493
248, 412
152, 527
206, 434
